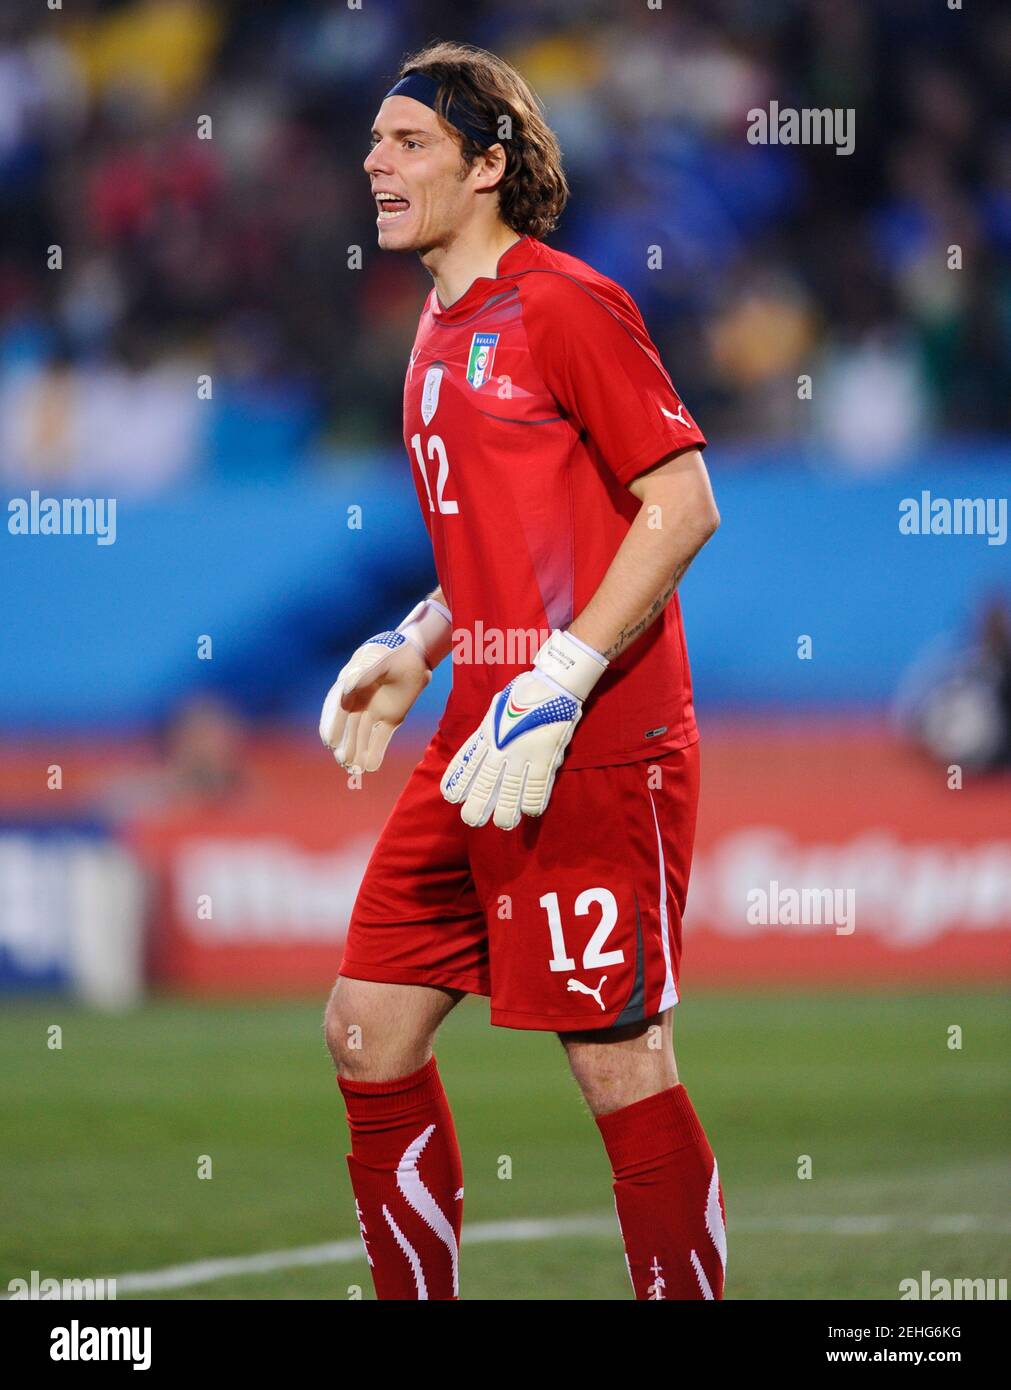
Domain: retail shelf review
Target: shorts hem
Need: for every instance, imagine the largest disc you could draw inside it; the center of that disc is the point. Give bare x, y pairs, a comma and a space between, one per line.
566, 1023
407, 975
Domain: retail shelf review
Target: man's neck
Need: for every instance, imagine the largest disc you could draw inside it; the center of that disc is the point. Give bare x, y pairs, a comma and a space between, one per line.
455, 267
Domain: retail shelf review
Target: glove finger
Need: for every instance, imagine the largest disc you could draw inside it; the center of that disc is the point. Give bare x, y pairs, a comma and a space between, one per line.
463, 768
346, 747
484, 794
507, 805
364, 667
536, 796
537, 789
363, 733
333, 717
375, 749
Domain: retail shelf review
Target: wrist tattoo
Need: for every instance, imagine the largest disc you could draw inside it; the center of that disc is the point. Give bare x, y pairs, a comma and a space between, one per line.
629, 634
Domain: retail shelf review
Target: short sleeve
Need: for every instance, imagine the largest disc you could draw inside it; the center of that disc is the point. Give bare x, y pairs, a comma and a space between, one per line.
592, 350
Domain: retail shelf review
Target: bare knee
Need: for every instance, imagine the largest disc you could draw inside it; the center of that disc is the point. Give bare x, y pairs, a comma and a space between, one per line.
377, 1032
616, 1067
358, 1029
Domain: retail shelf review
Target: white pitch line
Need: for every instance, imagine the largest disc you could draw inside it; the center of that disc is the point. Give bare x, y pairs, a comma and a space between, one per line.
496, 1232
344, 1251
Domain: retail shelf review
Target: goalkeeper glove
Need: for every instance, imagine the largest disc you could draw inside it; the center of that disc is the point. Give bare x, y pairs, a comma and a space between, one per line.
370, 697
508, 765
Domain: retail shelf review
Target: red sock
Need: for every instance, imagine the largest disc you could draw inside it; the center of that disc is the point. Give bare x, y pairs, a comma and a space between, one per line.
408, 1183
668, 1197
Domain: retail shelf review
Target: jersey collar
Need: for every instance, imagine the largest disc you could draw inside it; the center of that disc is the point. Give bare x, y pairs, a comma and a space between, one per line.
480, 289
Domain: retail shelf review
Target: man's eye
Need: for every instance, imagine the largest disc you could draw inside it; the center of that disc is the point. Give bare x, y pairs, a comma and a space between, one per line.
412, 144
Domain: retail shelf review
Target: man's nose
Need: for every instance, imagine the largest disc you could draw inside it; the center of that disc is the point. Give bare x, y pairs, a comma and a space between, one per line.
375, 159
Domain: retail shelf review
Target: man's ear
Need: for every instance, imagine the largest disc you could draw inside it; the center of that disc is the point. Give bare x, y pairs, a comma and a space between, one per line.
494, 161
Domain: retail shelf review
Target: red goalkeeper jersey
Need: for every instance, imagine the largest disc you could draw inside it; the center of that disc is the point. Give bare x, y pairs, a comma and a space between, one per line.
529, 406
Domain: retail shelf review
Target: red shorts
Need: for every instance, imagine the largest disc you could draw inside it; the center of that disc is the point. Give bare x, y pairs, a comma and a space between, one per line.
570, 921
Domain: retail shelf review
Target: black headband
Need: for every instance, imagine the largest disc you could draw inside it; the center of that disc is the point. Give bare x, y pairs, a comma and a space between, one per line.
425, 89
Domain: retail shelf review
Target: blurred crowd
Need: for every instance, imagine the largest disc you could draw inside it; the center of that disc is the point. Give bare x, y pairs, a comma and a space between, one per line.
137, 258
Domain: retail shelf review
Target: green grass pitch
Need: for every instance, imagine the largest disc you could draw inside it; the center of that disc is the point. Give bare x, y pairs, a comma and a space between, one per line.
100, 1142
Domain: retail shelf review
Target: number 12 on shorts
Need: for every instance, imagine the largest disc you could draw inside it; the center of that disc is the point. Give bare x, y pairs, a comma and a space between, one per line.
594, 955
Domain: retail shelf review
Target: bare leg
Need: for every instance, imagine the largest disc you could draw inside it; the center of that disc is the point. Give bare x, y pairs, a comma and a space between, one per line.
667, 1189
405, 1161
618, 1066
376, 1032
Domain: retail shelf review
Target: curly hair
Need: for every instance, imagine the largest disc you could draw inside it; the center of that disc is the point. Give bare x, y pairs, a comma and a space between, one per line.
533, 190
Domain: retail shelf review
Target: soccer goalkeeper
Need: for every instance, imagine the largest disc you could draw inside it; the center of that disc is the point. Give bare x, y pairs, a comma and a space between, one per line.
540, 851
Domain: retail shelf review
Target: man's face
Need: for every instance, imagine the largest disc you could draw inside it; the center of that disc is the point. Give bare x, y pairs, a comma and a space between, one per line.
416, 161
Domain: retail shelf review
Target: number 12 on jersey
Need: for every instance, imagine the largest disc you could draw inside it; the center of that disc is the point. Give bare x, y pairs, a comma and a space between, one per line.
436, 450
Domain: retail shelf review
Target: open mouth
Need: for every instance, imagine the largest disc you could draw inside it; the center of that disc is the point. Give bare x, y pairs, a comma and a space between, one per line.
391, 206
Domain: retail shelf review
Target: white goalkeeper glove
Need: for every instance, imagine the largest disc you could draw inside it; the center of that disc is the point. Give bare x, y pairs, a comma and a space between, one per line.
508, 765
369, 699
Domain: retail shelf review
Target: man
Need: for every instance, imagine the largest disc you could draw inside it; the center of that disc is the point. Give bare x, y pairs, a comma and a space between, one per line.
540, 851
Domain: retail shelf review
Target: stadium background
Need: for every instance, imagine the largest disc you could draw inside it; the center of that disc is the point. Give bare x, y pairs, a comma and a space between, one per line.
142, 765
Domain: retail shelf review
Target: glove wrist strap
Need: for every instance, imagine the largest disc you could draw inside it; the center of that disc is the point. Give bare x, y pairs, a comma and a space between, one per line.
570, 663
429, 629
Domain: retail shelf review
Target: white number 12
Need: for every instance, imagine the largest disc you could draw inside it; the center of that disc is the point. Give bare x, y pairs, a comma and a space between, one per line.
436, 449
594, 957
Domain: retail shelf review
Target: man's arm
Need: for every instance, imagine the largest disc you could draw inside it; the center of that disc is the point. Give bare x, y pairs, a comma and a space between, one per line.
676, 519
507, 767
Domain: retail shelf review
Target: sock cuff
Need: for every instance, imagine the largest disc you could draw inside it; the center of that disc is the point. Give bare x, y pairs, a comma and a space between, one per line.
402, 1092
651, 1128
